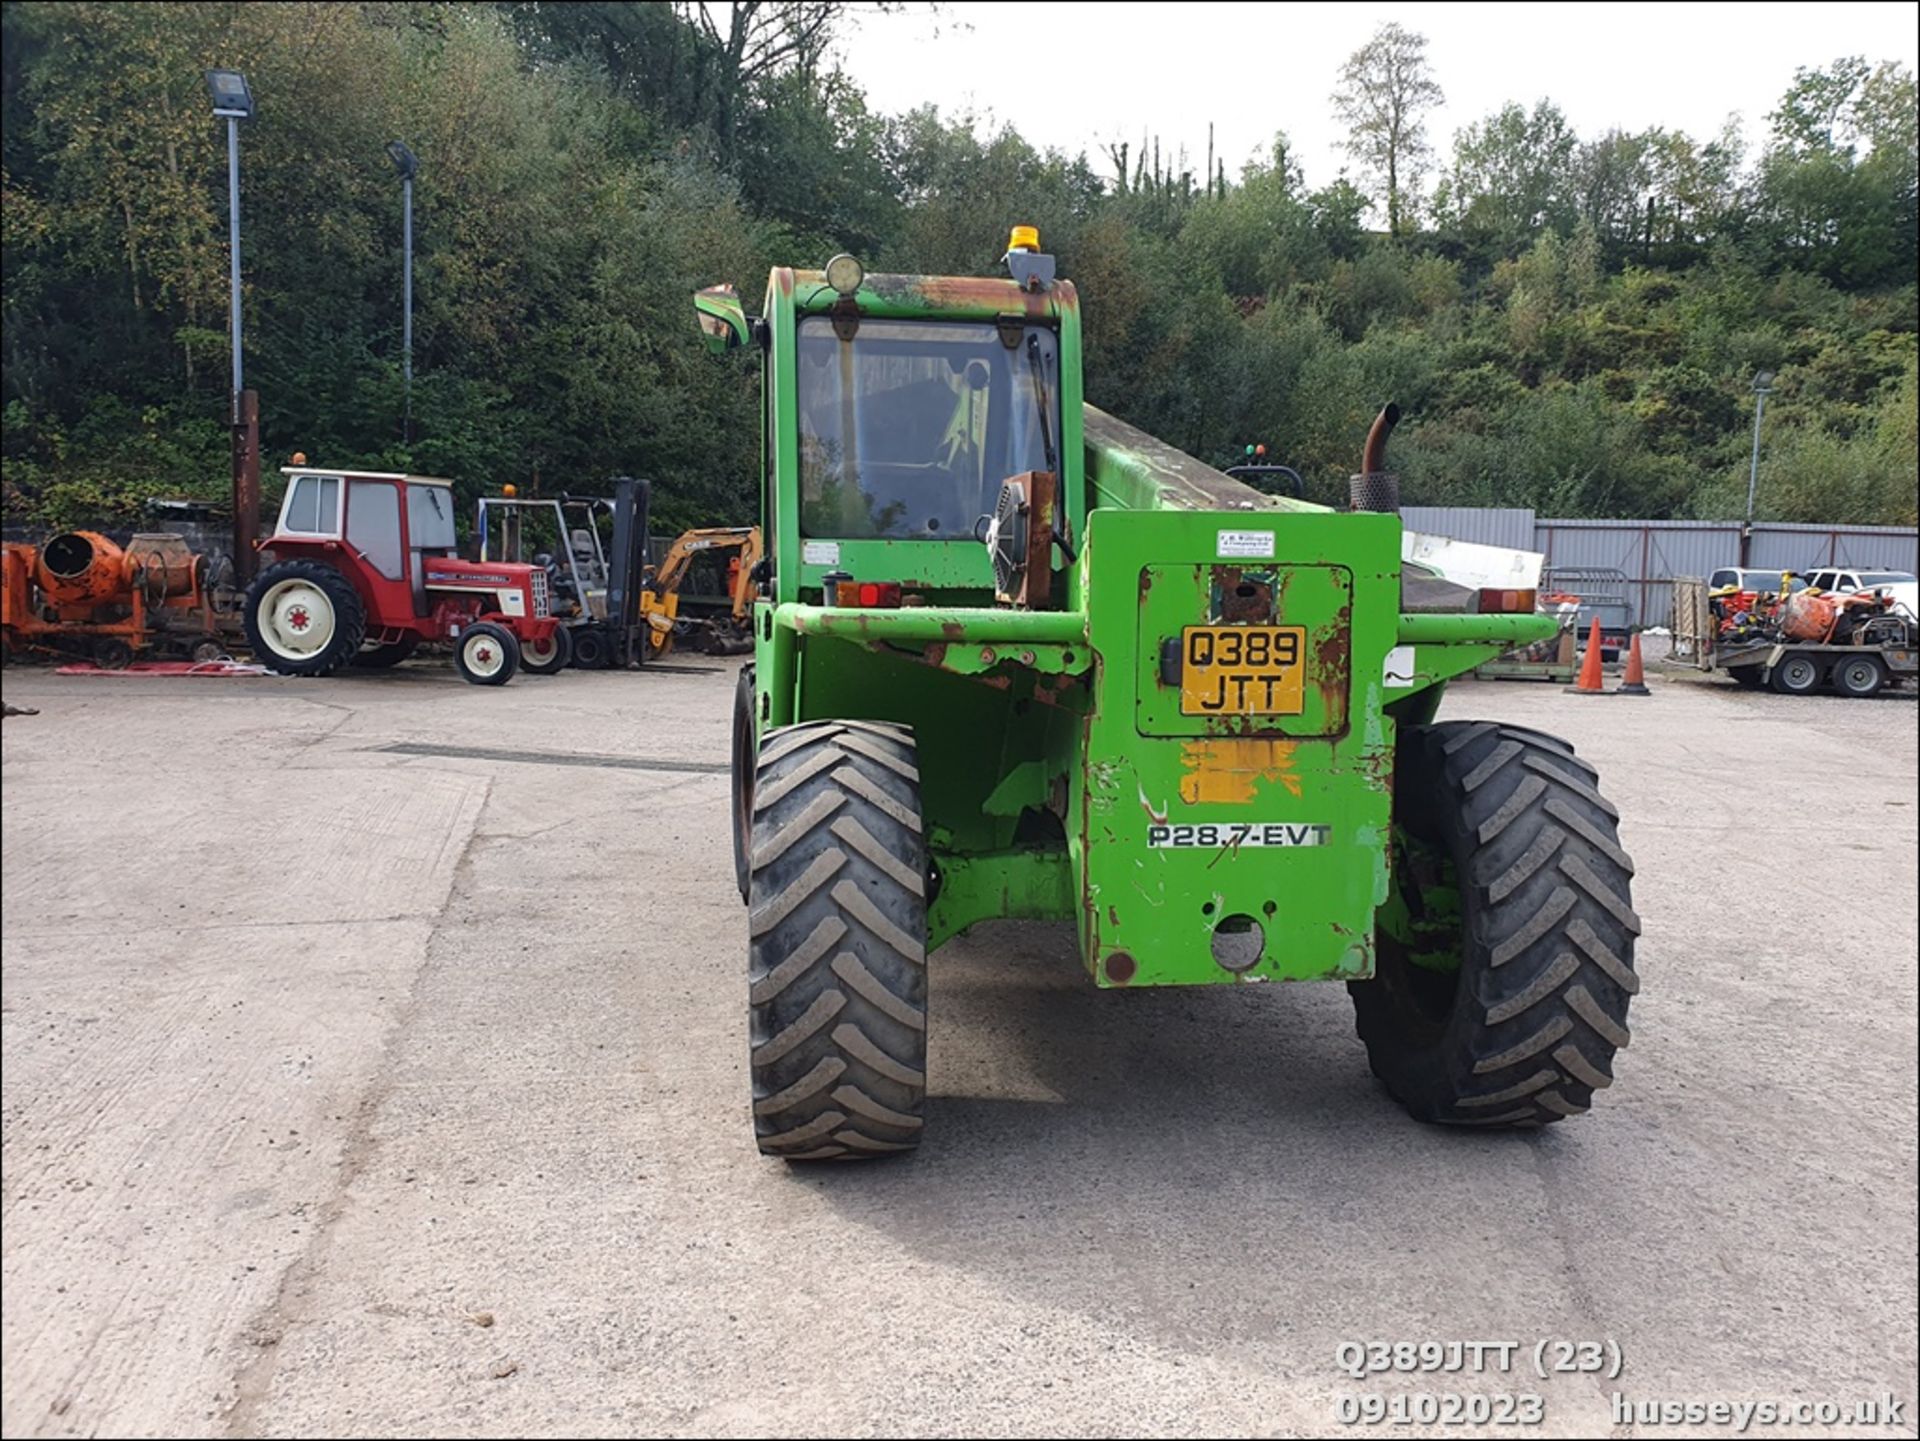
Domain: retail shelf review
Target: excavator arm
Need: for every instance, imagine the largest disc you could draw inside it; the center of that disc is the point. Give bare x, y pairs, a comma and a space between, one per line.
667, 580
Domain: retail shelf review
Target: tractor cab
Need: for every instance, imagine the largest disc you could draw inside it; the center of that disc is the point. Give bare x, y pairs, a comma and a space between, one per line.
366, 567
396, 522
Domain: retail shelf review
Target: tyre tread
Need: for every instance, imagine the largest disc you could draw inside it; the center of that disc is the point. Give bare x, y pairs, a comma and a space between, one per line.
837, 916
1541, 1006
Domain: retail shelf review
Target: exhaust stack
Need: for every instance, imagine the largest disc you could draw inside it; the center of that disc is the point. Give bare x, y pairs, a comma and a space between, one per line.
1375, 487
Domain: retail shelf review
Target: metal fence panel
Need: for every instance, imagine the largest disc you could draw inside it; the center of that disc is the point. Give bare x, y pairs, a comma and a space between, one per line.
1618, 547
1807, 547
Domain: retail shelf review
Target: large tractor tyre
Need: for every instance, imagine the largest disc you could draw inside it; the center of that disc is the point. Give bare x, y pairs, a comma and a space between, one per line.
1859, 676
486, 654
304, 618
1798, 674
744, 747
838, 920
385, 657
548, 659
1505, 956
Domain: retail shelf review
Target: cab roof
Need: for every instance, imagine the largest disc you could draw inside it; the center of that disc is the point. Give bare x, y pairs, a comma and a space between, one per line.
298, 470
933, 297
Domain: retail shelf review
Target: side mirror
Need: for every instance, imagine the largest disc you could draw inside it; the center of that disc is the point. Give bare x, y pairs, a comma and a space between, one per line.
723, 320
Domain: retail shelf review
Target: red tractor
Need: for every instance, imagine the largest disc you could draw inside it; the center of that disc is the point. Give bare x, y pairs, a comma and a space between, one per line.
364, 569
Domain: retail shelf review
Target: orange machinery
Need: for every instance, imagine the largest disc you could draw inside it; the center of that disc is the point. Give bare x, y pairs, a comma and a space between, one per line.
81, 593
729, 632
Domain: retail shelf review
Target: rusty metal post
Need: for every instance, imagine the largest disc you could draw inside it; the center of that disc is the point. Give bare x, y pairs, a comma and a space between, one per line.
246, 484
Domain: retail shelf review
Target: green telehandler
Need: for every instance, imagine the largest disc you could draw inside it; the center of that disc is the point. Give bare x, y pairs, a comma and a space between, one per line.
1015, 658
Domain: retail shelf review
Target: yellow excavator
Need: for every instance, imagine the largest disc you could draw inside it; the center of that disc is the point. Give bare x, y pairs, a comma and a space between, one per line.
724, 631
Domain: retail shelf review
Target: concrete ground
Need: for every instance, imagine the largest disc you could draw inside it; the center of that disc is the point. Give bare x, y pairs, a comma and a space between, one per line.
352, 1089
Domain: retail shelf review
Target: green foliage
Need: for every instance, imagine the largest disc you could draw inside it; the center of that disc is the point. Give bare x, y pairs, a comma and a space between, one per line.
1555, 340
1512, 176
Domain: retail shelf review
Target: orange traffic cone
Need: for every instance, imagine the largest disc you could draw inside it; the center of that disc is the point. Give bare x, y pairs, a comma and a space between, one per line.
1589, 682
1635, 680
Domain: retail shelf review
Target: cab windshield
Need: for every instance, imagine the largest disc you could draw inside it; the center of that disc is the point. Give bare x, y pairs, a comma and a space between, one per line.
907, 429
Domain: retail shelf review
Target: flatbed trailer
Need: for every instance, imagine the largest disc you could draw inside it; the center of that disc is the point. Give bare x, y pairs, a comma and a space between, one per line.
1790, 667
1798, 667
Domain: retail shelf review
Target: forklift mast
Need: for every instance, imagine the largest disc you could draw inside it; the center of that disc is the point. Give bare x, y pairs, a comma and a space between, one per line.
626, 565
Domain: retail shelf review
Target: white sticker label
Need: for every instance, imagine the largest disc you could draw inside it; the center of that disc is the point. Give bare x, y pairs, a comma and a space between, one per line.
1233, 834
1246, 544
820, 552
1399, 671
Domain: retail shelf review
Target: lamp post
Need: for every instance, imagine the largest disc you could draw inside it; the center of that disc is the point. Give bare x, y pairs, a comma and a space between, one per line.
1762, 386
405, 164
233, 102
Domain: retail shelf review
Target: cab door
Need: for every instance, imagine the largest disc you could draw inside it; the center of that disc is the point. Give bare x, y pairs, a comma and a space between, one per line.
429, 533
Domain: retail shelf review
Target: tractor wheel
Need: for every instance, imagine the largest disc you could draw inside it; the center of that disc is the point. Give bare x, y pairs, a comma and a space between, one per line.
385, 657
550, 658
304, 618
1797, 675
1750, 677
838, 965
1506, 945
486, 654
591, 650
1860, 676
743, 756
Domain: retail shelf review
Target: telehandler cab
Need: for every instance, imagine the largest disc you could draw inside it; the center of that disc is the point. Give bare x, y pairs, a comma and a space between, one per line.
1016, 658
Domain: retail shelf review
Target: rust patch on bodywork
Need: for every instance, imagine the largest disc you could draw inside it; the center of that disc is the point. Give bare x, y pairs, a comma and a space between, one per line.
963, 292
1227, 771
1054, 690
1242, 599
1333, 662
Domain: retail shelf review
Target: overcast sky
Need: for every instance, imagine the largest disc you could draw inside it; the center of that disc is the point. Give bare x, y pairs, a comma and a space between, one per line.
1078, 75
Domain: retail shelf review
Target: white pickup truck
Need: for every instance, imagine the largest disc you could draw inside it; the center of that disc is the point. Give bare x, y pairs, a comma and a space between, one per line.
1900, 584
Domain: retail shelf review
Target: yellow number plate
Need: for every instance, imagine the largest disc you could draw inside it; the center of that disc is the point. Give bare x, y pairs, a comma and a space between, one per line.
1243, 670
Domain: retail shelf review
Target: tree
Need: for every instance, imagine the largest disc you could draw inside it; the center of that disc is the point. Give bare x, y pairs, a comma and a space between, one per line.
1816, 111
758, 40
1610, 186
1386, 87
1512, 175
1843, 216
1887, 116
